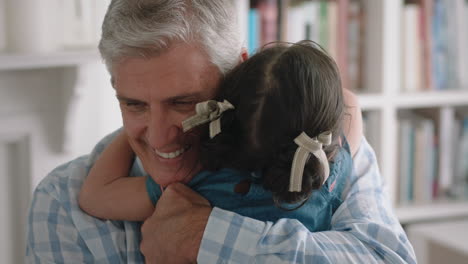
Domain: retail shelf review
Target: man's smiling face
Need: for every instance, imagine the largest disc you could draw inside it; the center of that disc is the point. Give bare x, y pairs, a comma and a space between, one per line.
155, 96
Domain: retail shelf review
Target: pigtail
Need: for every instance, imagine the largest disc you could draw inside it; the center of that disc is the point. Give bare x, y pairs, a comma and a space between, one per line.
221, 151
276, 178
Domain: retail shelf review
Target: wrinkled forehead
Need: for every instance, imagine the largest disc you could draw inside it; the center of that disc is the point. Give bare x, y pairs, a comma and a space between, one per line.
182, 69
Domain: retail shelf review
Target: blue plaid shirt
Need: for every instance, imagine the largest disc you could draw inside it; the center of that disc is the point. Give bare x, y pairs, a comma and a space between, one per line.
364, 228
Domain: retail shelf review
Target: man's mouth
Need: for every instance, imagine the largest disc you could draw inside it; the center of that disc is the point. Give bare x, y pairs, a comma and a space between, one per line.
172, 155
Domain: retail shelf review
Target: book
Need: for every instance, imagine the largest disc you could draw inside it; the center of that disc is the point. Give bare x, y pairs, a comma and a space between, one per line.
465, 33
342, 41
426, 43
268, 19
451, 42
459, 42
356, 46
440, 45
371, 123
411, 55
446, 142
460, 183
311, 20
253, 31
283, 6
242, 7
405, 161
2, 25
332, 23
424, 158
323, 29
295, 26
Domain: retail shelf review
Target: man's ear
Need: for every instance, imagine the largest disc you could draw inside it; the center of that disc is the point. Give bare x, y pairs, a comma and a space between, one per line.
244, 55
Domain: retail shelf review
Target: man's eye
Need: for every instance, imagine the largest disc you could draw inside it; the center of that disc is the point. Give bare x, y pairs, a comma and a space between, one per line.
184, 102
184, 105
134, 106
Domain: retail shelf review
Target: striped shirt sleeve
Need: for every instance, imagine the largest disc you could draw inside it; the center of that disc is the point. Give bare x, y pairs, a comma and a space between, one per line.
364, 229
60, 232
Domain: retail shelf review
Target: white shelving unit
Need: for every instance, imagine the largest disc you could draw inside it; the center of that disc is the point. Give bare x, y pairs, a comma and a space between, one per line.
54, 106
371, 102
387, 101
431, 212
451, 98
35, 123
12, 62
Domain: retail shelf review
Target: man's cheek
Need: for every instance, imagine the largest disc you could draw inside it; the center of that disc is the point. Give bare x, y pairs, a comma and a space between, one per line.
133, 126
136, 146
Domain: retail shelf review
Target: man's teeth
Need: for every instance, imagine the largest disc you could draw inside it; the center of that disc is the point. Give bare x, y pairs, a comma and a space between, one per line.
171, 155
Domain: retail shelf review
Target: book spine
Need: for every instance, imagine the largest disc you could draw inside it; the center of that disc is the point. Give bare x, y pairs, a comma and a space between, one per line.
253, 31
411, 59
439, 49
3, 39
242, 7
426, 43
268, 15
342, 54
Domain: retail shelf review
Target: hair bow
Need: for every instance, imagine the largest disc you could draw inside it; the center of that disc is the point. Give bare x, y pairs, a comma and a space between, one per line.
208, 111
306, 147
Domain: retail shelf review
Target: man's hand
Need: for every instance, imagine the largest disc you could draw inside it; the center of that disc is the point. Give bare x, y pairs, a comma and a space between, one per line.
173, 233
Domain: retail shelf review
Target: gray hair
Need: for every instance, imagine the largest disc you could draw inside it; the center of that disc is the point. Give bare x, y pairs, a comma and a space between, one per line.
145, 28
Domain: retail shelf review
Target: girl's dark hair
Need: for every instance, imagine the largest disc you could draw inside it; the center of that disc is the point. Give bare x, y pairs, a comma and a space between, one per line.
278, 93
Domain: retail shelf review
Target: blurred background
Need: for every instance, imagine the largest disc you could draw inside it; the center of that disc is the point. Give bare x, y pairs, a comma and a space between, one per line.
405, 59
56, 101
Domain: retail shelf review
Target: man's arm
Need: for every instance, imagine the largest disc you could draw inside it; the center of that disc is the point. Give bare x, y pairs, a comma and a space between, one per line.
108, 192
174, 232
352, 121
59, 232
52, 236
364, 229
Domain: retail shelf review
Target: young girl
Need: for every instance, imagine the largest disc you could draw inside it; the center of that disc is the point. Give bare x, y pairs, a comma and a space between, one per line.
274, 147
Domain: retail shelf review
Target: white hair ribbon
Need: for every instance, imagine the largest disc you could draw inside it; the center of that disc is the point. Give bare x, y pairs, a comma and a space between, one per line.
307, 146
207, 111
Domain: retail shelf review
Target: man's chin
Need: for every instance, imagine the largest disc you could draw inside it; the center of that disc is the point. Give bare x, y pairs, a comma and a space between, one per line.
165, 175
166, 180
170, 170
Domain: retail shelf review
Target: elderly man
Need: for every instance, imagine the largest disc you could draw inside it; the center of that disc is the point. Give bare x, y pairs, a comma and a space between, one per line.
164, 56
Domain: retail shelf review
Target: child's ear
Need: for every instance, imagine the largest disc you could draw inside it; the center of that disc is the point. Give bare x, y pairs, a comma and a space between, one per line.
244, 55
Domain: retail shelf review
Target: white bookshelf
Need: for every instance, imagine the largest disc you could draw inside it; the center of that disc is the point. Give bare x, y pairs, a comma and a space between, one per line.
388, 100
55, 101
451, 98
13, 62
383, 102
370, 102
431, 212
40, 111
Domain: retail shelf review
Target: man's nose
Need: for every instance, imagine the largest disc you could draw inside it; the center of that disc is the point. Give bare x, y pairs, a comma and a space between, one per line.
162, 129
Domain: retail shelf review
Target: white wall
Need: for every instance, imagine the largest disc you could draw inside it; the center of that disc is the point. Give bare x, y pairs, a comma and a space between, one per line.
50, 115
47, 117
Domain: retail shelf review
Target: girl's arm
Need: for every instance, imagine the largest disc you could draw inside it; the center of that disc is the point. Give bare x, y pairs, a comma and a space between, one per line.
352, 125
108, 192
